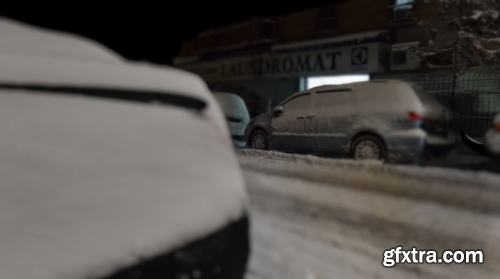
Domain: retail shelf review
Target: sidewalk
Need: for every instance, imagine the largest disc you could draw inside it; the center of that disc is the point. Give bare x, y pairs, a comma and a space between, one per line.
460, 158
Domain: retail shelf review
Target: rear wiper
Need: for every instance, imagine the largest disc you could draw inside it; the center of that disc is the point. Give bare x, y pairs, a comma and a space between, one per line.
134, 95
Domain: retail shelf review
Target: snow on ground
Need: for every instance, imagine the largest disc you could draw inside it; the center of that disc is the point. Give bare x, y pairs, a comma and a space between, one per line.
311, 221
448, 186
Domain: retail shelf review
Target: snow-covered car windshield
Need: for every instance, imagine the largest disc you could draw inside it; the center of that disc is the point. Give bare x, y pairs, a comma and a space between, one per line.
134, 95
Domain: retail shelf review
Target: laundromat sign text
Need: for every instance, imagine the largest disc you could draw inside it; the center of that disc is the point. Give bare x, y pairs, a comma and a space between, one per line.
346, 60
283, 65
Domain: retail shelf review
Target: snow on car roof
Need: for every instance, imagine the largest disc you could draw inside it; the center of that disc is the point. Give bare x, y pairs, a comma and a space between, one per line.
24, 38
231, 104
230, 95
89, 186
37, 56
368, 88
22, 69
56, 71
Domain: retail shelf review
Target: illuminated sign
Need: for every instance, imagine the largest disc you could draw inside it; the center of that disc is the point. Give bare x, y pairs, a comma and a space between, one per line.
359, 59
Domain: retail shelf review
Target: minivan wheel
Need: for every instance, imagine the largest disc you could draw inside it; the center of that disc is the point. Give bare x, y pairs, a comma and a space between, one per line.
368, 147
259, 140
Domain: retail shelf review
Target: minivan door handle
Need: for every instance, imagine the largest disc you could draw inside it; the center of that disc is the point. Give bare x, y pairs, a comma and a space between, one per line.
310, 116
300, 117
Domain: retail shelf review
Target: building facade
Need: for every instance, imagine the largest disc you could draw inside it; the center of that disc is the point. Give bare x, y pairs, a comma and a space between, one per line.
266, 59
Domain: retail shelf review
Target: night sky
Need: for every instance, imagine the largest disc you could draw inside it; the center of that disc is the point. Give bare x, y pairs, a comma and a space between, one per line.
144, 31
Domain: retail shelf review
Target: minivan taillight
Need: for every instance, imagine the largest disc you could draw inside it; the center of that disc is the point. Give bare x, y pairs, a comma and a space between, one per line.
414, 116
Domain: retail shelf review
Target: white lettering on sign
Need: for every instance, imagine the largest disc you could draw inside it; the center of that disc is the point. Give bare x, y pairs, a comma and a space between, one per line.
282, 65
362, 58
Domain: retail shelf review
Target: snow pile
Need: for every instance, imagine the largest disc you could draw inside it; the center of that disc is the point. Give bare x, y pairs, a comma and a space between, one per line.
310, 159
478, 191
303, 228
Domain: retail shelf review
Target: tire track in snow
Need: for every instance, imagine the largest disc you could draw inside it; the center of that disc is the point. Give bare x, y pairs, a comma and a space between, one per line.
477, 191
362, 224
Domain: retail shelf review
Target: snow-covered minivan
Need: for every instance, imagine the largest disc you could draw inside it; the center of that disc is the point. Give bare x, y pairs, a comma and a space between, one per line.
381, 119
112, 169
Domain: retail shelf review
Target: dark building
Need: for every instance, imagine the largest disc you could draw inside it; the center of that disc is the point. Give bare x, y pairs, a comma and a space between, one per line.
268, 58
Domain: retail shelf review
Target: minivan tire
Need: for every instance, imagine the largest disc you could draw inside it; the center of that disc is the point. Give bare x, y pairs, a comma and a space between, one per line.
259, 140
369, 147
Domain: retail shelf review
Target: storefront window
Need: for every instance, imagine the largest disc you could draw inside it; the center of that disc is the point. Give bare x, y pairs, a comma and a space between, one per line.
324, 80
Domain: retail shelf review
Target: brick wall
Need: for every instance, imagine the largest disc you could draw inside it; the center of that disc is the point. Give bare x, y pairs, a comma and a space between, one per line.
187, 48
423, 10
352, 16
357, 16
298, 26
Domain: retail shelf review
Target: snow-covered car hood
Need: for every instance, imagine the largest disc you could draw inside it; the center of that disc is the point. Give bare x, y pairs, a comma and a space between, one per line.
91, 185
88, 185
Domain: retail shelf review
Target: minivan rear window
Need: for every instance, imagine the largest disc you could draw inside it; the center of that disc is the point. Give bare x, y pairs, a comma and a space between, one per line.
423, 95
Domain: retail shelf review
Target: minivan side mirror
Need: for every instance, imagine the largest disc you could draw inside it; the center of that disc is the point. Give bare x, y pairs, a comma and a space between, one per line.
278, 110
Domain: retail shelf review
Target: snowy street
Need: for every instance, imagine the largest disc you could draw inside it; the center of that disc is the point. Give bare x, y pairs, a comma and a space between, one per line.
323, 218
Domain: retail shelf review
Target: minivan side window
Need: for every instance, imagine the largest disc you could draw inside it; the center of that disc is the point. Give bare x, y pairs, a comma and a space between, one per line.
330, 99
298, 103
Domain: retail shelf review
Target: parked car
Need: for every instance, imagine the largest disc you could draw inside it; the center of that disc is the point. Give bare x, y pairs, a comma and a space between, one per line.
491, 146
236, 113
112, 169
382, 119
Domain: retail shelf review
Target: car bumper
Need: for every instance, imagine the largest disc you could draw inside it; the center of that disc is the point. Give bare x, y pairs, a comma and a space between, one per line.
436, 145
239, 141
407, 145
222, 254
492, 141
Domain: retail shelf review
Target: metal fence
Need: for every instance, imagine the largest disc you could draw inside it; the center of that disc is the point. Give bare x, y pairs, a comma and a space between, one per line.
477, 99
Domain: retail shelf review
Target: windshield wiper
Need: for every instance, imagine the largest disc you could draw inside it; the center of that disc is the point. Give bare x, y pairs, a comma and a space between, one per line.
134, 95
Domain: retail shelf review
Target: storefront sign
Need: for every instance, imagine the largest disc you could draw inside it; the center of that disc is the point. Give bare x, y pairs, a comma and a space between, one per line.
330, 62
